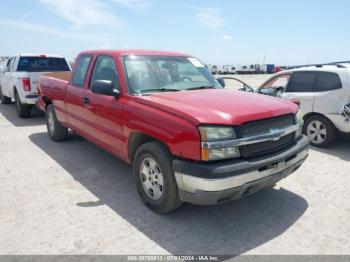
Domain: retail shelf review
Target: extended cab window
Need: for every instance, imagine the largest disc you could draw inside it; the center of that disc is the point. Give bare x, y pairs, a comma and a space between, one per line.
105, 69
302, 82
327, 81
81, 69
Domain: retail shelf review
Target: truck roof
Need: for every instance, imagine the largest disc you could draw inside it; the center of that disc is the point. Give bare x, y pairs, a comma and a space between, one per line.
38, 55
134, 52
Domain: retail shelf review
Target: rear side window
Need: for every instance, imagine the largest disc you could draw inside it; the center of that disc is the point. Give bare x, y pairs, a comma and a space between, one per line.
327, 81
302, 82
10, 64
82, 66
42, 64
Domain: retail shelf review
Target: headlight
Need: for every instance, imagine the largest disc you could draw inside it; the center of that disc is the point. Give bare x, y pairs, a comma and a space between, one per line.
213, 143
299, 120
214, 133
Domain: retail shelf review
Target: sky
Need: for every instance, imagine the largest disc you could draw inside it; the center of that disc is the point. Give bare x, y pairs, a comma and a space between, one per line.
217, 32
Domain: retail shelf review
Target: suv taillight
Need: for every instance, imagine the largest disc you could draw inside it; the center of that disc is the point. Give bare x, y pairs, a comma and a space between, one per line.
26, 84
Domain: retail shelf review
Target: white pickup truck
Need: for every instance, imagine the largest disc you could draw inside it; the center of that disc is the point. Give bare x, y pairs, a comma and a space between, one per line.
19, 79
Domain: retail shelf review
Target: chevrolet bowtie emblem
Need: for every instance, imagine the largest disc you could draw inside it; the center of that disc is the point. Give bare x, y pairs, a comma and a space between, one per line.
276, 134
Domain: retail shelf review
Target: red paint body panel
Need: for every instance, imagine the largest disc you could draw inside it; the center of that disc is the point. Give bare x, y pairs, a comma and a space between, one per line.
171, 117
219, 106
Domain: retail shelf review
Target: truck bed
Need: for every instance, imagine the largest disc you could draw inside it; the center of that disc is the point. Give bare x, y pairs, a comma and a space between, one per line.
59, 75
53, 85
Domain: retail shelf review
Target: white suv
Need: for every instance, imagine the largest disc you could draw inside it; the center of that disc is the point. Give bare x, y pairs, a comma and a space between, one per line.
323, 94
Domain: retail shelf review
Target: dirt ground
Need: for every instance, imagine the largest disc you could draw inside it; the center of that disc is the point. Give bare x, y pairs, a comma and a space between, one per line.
74, 198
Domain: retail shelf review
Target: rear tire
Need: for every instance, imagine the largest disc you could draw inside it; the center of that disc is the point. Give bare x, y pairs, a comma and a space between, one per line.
320, 130
23, 110
4, 99
56, 131
155, 178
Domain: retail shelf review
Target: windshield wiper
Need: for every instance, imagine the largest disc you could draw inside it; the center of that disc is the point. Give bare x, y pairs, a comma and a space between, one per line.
201, 87
162, 89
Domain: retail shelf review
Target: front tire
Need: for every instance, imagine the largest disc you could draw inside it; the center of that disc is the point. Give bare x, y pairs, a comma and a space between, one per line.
320, 130
23, 110
56, 131
155, 178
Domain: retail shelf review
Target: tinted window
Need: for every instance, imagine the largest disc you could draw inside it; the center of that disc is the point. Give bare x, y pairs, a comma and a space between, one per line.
302, 82
105, 69
327, 81
81, 69
42, 64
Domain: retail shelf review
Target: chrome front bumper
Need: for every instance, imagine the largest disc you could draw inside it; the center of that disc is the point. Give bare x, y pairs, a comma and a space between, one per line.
216, 183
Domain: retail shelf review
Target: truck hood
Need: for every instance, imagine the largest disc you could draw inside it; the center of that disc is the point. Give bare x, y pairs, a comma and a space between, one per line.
218, 106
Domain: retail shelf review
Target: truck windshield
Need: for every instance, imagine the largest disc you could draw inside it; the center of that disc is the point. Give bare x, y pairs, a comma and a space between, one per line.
147, 74
42, 64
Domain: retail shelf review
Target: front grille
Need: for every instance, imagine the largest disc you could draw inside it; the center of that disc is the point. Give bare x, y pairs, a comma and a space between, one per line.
262, 127
267, 147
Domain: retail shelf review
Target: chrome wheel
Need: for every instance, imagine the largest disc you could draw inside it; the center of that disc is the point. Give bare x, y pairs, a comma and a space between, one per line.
51, 123
151, 178
317, 132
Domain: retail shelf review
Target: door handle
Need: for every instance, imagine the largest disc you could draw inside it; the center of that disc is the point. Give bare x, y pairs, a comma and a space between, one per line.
86, 100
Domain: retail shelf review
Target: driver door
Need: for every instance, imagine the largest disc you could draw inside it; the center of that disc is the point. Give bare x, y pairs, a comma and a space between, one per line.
6, 78
300, 90
105, 112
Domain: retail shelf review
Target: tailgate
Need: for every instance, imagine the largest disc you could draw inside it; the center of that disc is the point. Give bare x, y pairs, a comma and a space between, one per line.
34, 80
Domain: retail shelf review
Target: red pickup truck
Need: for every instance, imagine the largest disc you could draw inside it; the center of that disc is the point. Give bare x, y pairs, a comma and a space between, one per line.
188, 138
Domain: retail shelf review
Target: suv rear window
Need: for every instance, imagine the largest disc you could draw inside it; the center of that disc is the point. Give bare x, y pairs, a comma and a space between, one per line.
327, 81
302, 82
42, 64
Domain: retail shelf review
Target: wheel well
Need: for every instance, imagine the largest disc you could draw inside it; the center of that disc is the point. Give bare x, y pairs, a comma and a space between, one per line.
138, 139
320, 115
15, 91
308, 115
47, 101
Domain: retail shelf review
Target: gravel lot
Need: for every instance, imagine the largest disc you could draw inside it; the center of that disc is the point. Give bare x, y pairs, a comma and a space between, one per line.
74, 198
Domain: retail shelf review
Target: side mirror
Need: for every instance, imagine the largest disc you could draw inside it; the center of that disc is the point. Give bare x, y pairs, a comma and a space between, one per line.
268, 91
104, 87
221, 81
